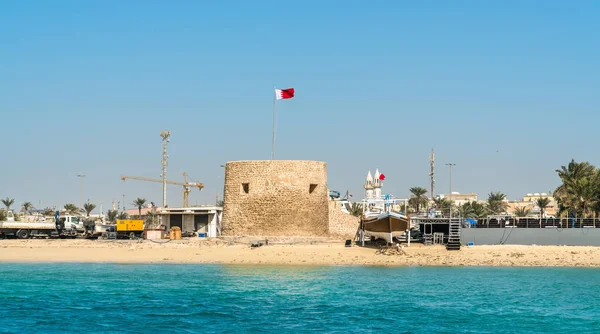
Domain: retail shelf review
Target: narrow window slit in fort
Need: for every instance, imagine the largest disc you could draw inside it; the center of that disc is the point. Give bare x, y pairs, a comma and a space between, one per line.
312, 188
246, 187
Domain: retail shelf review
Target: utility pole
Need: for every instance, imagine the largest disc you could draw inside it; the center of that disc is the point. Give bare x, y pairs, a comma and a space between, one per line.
124, 210
450, 165
222, 166
431, 172
80, 176
165, 137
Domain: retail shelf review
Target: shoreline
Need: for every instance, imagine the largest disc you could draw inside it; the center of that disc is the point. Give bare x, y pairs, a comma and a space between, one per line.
330, 253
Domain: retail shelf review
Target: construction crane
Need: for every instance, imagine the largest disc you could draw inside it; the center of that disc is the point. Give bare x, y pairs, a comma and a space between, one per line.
187, 187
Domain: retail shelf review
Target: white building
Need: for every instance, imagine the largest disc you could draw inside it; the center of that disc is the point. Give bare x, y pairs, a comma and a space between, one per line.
201, 219
204, 220
459, 199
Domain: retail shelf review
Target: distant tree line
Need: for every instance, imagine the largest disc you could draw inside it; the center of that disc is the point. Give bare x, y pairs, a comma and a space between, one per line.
72, 209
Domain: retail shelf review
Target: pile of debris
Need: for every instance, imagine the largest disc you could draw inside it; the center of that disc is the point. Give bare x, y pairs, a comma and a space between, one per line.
391, 250
256, 244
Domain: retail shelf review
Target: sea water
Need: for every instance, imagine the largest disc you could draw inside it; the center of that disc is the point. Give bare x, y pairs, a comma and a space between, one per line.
80, 298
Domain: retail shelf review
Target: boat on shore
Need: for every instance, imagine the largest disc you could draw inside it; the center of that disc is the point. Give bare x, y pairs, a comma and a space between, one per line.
386, 225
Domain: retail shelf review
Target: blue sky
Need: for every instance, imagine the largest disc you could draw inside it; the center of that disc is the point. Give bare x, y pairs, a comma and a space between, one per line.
507, 90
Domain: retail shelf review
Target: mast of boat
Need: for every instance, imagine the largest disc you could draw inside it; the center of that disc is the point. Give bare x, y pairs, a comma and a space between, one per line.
362, 231
362, 225
408, 218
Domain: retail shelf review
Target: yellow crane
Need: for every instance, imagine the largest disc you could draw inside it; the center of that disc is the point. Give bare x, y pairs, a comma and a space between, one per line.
187, 187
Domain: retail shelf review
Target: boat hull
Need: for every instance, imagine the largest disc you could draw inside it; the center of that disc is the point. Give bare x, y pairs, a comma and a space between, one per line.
387, 226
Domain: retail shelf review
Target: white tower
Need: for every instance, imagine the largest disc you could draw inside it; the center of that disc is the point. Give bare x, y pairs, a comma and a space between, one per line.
377, 184
369, 186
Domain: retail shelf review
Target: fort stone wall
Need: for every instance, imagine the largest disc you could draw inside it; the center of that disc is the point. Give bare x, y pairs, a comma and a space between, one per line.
275, 198
341, 225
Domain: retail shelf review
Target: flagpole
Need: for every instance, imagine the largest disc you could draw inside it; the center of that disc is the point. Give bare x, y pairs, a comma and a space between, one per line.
273, 130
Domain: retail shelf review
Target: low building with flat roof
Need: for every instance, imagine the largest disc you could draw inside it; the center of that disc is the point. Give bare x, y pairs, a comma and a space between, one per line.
529, 201
459, 199
204, 220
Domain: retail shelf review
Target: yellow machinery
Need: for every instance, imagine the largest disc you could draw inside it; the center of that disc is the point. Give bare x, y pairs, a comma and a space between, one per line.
129, 228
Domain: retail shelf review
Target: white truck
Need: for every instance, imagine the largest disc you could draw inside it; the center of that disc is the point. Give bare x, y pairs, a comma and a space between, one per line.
24, 230
40, 228
72, 222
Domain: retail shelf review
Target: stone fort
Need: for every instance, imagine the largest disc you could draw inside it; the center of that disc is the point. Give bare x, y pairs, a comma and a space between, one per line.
275, 198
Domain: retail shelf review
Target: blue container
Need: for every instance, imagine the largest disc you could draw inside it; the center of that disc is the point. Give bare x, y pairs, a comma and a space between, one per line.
201, 235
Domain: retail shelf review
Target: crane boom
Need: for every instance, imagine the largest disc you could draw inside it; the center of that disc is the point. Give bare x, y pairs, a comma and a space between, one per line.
198, 185
186, 185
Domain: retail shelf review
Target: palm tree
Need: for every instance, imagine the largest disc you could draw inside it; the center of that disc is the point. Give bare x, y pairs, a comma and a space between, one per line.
48, 211
572, 172
443, 205
8, 202
496, 203
472, 210
479, 210
521, 212
123, 215
542, 203
579, 190
71, 208
89, 207
112, 215
582, 195
418, 198
26, 207
139, 202
356, 209
466, 210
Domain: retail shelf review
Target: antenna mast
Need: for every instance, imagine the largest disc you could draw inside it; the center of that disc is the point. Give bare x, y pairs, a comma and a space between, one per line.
165, 137
431, 171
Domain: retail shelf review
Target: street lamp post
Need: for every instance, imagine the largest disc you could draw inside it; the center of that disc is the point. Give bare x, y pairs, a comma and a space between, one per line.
124, 210
450, 165
81, 176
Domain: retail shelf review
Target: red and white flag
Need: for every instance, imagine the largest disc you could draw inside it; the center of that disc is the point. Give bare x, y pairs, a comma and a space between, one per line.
281, 94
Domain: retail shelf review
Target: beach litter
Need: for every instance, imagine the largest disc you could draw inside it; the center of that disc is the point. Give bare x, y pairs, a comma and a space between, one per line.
391, 250
256, 245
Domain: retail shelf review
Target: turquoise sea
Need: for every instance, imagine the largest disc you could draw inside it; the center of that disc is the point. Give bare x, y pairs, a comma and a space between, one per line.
89, 298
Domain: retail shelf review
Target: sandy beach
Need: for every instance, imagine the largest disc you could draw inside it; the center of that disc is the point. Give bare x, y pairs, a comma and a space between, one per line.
322, 253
